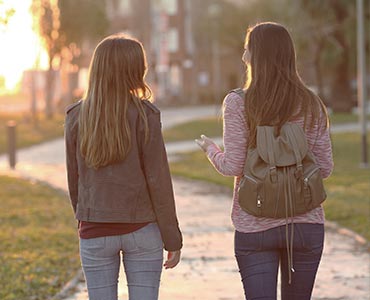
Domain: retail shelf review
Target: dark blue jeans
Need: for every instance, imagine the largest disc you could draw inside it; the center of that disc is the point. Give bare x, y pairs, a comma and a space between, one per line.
259, 255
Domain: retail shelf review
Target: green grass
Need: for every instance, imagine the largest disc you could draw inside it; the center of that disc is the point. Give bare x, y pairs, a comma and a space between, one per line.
26, 133
341, 118
348, 187
212, 127
39, 244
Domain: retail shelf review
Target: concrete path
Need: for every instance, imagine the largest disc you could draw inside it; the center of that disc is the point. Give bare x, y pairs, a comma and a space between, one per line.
208, 269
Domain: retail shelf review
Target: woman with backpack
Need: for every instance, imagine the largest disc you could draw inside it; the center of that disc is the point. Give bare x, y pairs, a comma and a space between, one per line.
273, 95
118, 176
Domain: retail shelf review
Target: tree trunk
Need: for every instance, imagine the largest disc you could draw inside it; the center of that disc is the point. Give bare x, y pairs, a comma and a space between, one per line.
318, 72
340, 87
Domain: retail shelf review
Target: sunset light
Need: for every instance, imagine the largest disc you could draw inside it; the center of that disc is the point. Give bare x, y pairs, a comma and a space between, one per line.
20, 47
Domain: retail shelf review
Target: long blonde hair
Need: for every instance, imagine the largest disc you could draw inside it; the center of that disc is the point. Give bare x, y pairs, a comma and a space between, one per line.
275, 93
116, 78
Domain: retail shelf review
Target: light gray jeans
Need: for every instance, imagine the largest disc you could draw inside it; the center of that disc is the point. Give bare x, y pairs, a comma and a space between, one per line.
142, 259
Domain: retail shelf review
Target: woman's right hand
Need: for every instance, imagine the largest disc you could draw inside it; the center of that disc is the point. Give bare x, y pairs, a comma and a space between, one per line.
204, 142
173, 258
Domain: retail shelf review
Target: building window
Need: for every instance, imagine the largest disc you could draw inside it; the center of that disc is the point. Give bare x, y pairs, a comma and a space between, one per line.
173, 40
175, 79
170, 6
124, 7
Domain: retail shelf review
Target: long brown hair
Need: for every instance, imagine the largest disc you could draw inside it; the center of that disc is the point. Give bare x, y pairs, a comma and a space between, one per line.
116, 77
275, 93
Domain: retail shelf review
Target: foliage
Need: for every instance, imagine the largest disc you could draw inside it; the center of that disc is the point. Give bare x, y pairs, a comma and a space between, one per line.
46, 23
323, 34
39, 245
80, 22
64, 27
333, 24
348, 187
5, 13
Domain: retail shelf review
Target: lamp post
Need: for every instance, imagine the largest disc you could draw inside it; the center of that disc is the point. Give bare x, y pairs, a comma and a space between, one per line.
12, 147
361, 81
214, 12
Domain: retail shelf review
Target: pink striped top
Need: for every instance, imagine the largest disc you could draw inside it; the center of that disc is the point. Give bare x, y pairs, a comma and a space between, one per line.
230, 162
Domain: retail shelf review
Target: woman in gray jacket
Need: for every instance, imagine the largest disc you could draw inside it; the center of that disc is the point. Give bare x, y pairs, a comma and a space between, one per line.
118, 176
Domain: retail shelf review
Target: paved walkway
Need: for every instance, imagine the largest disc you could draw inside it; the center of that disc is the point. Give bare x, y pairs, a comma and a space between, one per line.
208, 269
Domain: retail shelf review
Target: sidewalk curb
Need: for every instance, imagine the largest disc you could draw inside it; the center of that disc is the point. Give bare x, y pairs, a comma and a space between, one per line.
359, 239
69, 288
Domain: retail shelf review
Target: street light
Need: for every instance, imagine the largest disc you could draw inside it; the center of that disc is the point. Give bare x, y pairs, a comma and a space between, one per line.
361, 80
214, 11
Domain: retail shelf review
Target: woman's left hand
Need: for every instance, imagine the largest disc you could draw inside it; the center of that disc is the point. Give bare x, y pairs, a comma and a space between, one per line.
204, 142
173, 258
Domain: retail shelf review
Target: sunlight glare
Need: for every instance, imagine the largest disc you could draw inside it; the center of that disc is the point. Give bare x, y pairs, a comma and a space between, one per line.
20, 47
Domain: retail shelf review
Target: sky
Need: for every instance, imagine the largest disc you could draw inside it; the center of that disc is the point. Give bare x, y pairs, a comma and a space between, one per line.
19, 45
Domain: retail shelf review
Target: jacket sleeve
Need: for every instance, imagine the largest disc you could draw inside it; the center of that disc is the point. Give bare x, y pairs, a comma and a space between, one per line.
159, 184
71, 160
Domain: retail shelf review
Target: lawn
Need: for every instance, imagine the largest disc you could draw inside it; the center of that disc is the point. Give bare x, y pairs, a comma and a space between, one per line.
26, 133
348, 187
212, 127
341, 118
39, 243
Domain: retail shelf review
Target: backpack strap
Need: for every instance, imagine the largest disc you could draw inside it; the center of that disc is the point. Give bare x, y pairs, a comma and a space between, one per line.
271, 154
238, 91
293, 141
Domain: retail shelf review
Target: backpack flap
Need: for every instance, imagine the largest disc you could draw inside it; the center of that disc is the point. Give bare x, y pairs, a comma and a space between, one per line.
284, 150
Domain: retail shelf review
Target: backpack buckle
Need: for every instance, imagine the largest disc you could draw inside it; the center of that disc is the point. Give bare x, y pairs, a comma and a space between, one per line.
273, 174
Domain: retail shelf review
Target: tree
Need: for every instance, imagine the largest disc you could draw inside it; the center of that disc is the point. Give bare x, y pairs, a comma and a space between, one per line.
65, 26
47, 24
82, 25
332, 30
229, 27
323, 32
82, 22
5, 13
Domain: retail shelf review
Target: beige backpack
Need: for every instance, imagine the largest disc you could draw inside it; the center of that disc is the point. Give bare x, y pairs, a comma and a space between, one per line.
281, 178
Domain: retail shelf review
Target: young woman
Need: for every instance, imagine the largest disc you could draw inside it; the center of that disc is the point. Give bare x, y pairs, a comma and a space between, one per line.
118, 176
274, 95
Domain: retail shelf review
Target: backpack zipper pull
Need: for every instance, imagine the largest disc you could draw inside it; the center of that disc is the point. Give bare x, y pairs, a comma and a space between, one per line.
259, 202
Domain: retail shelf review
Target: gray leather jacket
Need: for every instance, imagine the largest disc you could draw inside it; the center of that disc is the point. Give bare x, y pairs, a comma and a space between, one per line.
136, 190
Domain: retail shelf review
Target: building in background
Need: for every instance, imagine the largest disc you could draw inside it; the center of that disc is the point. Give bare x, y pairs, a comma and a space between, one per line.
188, 63
180, 71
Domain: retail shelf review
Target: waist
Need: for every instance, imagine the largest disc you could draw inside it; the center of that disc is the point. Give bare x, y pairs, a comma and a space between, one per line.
89, 230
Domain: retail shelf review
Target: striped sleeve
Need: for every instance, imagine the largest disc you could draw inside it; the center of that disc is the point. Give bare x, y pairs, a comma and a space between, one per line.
230, 161
322, 149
